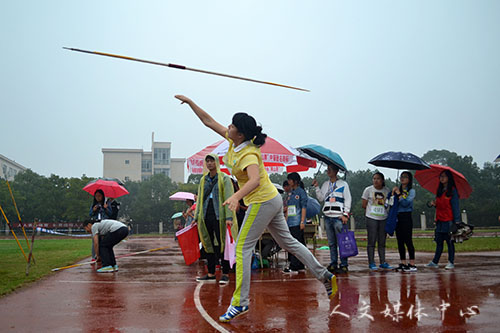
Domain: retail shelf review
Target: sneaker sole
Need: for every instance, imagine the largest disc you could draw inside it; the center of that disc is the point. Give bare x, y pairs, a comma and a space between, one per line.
236, 316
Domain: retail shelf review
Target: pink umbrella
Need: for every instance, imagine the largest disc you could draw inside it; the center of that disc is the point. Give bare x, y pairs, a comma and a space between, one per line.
181, 196
111, 188
276, 155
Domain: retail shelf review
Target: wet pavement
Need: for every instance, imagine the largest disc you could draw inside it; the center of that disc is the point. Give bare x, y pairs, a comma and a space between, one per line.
157, 292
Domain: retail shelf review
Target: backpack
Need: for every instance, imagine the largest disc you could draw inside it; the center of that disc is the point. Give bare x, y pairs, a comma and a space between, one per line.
115, 207
313, 207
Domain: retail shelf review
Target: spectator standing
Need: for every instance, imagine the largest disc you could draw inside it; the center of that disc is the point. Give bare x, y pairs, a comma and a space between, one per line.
337, 197
374, 202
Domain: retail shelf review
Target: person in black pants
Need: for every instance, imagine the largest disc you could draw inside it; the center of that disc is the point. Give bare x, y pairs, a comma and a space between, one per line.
404, 227
106, 234
213, 218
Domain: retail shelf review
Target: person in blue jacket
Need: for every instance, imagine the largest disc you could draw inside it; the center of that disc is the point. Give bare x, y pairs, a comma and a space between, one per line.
404, 227
296, 217
100, 210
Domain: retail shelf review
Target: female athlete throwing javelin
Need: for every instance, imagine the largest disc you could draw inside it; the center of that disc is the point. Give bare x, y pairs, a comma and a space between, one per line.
265, 206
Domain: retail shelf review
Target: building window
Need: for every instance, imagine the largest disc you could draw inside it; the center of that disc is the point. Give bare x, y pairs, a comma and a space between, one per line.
163, 171
146, 165
162, 156
127, 179
145, 178
127, 161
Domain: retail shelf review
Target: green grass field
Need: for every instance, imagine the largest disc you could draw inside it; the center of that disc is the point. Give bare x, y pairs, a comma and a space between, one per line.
48, 253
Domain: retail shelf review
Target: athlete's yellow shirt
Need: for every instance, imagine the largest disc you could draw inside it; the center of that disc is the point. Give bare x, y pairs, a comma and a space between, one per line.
237, 159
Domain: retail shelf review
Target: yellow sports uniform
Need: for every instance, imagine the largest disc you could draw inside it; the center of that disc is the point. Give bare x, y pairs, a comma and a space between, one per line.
265, 210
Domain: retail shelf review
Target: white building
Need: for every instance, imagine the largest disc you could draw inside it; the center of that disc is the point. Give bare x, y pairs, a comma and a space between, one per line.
138, 165
9, 169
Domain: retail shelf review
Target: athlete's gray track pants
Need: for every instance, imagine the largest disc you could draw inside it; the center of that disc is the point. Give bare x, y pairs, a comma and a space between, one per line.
258, 217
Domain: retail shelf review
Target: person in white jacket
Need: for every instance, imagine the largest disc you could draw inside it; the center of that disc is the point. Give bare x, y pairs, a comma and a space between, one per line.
337, 197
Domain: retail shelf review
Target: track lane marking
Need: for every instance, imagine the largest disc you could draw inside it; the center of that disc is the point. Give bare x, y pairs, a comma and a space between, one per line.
204, 313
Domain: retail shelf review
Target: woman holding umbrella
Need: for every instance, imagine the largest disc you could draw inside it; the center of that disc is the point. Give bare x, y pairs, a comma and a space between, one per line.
404, 227
265, 206
447, 213
100, 210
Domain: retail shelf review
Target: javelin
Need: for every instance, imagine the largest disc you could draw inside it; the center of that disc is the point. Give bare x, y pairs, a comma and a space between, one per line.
122, 256
183, 67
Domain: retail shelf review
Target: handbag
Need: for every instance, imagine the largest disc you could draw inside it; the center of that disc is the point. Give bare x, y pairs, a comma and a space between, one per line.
347, 243
189, 243
230, 247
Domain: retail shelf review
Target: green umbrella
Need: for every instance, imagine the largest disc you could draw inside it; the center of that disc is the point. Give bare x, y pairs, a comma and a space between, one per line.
177, 215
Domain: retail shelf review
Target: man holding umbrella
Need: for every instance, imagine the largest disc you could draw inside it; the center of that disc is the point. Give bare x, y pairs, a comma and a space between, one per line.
337, 197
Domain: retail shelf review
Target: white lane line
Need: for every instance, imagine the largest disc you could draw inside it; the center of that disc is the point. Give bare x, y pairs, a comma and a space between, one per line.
203, 313
126, 282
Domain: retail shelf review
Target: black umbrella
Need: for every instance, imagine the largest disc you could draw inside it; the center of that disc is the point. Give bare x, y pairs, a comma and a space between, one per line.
399, 160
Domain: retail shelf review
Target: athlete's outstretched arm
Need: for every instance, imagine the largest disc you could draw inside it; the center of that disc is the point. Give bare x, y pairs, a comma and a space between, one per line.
205, 118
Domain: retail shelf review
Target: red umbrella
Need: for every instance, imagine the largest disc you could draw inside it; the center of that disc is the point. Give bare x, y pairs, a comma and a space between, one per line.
429, 179
276, 156
110, 188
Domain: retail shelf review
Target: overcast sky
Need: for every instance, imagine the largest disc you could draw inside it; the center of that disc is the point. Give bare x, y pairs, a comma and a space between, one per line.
384, 75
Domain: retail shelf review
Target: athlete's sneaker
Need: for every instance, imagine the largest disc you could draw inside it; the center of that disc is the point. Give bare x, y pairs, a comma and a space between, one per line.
432, 264
449, 266
410, 268
106, 269
224, 279
233, 312
373, 267
331, 286
385, 266
115, 268
206, 278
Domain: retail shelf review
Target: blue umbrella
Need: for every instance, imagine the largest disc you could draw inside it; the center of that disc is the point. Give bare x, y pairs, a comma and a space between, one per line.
497, 159
324, 155
399, 160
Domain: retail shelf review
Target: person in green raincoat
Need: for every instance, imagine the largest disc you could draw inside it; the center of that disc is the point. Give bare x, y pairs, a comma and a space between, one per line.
215, 187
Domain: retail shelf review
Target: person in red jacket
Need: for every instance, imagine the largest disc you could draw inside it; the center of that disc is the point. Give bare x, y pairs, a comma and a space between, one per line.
447, 213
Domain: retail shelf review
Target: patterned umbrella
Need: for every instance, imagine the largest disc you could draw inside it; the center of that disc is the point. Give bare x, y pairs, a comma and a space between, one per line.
276, 155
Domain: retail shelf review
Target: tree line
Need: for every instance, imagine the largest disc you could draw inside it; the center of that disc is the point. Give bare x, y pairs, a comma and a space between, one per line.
59, 199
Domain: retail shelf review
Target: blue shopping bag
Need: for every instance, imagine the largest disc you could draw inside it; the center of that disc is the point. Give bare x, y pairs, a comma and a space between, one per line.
347, 243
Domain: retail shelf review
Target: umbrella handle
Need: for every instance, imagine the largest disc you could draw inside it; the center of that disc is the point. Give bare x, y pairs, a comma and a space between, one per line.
317, 172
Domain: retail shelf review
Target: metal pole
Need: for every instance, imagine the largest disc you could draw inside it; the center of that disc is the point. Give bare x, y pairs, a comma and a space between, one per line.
13, 233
